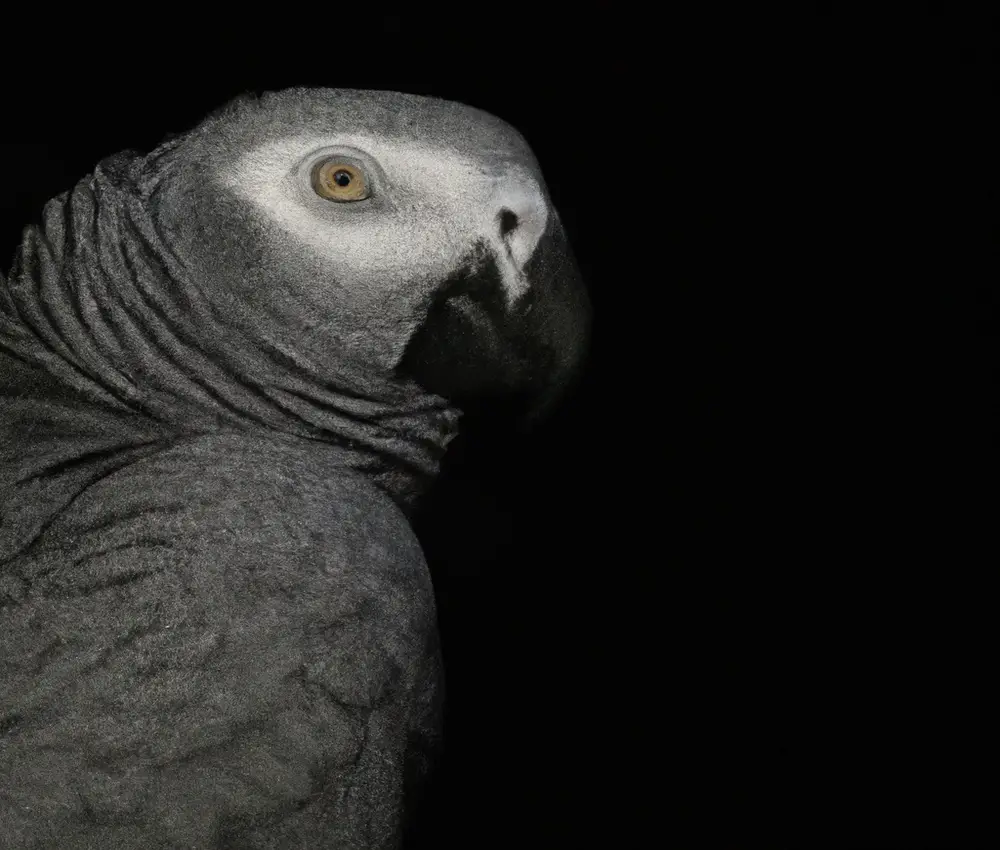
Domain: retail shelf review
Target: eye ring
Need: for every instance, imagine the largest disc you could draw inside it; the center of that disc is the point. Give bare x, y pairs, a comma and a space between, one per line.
340, 181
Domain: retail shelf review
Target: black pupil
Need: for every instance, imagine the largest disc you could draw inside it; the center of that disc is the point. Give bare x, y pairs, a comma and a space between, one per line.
341, 178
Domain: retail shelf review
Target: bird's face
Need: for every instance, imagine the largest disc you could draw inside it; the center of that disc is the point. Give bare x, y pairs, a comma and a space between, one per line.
413, 235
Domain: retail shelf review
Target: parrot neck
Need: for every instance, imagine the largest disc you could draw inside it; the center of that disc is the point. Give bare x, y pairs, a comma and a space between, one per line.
97, 300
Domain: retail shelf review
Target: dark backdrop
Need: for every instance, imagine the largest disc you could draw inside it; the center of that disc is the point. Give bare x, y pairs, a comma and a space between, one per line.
686, 611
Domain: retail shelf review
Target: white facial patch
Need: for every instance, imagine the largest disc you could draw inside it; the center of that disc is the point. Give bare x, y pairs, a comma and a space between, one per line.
433, 206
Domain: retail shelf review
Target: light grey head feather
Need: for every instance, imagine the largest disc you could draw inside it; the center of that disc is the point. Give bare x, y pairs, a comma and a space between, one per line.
207, 285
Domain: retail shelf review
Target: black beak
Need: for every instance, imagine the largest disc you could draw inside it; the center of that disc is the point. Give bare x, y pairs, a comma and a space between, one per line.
486, 355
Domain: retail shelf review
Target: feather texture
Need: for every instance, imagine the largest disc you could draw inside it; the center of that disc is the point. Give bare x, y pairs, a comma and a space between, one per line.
221, 395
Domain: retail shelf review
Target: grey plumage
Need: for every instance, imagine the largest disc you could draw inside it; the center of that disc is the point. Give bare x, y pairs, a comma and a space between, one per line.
221, 394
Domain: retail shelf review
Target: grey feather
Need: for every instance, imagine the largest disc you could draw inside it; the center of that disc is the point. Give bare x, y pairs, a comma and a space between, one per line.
221, 395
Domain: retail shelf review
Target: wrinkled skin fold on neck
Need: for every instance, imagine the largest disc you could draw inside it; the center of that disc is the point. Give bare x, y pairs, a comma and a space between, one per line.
107, 341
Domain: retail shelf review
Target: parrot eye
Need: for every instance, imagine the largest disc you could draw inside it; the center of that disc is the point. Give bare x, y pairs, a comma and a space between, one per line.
340, 181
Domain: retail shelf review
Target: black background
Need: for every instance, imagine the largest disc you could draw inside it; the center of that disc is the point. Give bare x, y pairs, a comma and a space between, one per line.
664, 622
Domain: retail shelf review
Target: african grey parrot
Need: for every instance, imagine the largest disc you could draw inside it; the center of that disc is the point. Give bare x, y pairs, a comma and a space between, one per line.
228, 369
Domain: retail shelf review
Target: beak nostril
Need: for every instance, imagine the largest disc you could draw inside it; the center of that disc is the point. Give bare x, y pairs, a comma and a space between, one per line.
508, 221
